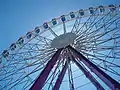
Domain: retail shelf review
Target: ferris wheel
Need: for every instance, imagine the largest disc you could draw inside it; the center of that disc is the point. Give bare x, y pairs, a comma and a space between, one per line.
77, 51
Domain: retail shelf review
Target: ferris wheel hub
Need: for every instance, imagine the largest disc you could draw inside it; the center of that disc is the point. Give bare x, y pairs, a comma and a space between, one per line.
63, 40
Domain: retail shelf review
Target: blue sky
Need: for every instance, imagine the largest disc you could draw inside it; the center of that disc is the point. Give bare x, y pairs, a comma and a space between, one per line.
17, 17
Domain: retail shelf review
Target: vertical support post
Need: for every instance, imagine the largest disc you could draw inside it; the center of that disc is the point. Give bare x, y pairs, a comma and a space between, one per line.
88, 75
39, 83
60, 77
64, 27
109, 81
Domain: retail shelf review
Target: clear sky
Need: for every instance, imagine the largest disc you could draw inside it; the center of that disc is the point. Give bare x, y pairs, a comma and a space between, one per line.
17, 17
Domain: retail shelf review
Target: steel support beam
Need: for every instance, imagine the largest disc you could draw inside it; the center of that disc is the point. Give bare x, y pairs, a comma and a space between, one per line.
88, 75
64, 27
39, 83
60, 77
109, 81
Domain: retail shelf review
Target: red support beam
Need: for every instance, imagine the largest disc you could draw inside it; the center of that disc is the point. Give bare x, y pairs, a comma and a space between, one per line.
109, 81
88, 75
39, 83
60, 77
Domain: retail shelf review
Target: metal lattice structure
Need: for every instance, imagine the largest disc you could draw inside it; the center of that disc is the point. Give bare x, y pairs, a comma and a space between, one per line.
77, 51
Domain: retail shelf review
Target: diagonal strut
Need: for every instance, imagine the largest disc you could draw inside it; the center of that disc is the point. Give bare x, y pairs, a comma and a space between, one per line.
60, 77
88, 74
39, 83
109, 81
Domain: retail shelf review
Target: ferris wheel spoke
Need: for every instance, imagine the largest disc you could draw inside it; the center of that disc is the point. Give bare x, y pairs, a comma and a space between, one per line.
83, 85
107, 40
105, 32
96, 48
116, 73
89, 26
102, 47
108, 69
76, 23
36, 47
90, 76
101, 59
78, 29
85, 23
53, 61
60, 77
94, 23
94, 34
106, 66
84, 60
26, 50
43, 38
109, 27
39, 40
70, 75
101, 35
20, 78
15, 72
39, 54
54, 74
87, 73
28, 61
23, 67
33, 46
33, 54
54, 34
98, 36
8, 84
64, 27
23, 88
88, 20
16, 86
